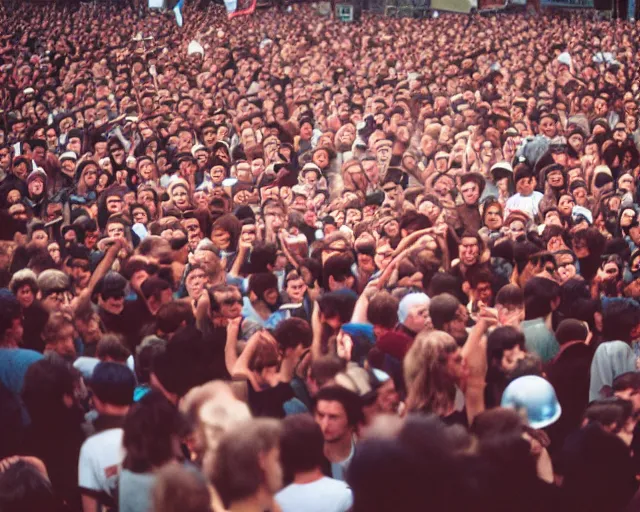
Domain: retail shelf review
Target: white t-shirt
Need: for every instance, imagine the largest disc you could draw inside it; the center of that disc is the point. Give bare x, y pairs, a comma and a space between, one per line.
99, 464
323, 495
526, 204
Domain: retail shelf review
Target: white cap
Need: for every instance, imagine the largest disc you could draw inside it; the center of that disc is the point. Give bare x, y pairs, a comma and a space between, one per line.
69, 155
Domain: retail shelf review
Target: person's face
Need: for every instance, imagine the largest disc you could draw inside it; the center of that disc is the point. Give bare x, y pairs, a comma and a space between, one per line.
493, 218
469, 251
296, 288
574, 174
392, 228
81, 273
140, 216
114, 204
54, 252
548, 127
57, 301
383, 153
221, 238
20, 171
194, 283
510, 358
257, 167
75, 144
332, 418
115, 230
25, 296
484, 293
217, 174
576, 141
372, 170
52, 139
353, 216
525, 186
63, 344
428, 144
306, 131
384, 255
230, 304
36, 187
611, 270
118, 154
145, 197
243, 173
113, 305
627, 183
5, 158
69, 168
456, 365
209, 136
580, 195
566, 204
627, 216
180, 197
516, 230
388, 399
555, 179
600, 107
418, 318
470, 193
91, 177
430, 210
321, 159
146, 170
271, 296
40, 239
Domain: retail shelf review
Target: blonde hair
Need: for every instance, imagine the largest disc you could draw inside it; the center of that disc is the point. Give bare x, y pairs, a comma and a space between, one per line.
197, 406
429, 387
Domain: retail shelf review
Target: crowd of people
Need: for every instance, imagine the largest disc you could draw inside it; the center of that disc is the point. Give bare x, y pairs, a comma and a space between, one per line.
284, 263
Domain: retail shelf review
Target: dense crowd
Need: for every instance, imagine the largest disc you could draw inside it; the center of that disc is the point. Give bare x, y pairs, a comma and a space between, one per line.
284, 263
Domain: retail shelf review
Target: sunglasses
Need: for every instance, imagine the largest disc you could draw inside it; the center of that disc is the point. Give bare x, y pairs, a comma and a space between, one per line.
231, 301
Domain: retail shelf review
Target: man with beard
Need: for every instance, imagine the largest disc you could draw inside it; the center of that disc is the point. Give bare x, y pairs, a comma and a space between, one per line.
471, 187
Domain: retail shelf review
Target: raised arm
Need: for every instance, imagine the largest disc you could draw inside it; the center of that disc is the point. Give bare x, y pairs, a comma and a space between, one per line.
474, 352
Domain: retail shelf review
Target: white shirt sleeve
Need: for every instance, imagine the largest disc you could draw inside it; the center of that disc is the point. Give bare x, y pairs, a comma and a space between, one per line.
87, 477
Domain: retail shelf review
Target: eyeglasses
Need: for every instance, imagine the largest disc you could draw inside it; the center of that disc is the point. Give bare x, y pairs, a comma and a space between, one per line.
231, 301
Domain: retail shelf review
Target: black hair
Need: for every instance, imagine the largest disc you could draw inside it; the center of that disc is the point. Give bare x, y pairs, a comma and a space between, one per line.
260, 282
338, 304
539, 293
501, 339
113, 383
145, 353
510, 295
23, 487
263, 255
9, 311
149, 431
619, 318
301, 445
292, 332
443, 309
46, 382
348, 399
153, 287
337, 266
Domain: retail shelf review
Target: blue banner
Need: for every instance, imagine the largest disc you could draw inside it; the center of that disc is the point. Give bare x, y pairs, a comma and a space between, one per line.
572, 4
